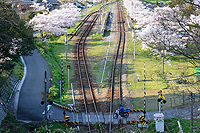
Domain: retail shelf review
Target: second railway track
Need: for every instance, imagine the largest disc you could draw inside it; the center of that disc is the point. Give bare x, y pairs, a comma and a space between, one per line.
116, 81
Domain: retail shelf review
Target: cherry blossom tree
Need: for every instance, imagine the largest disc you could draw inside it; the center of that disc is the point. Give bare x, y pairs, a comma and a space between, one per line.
161, 34
16, 38
57, 21
162, 27
138, 12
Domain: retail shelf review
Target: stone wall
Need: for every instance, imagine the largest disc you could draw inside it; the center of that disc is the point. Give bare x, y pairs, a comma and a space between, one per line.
6, 92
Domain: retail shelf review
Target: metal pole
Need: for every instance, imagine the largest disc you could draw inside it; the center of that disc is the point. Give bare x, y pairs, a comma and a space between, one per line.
66, 40
45, 100
171, 102
73, 97
66, 51
62, 80
133, 35
60, 93
191, 120
68, 79
159, 108
183, 97
144, 92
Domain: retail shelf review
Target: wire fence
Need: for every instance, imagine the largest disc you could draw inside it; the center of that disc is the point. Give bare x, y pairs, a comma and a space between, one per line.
173, 100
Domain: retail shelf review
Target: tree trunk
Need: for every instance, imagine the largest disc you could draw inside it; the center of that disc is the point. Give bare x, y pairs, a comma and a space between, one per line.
41, 34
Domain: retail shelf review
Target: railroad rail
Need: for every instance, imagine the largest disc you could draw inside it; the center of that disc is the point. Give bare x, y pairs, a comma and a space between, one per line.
83, 31
78, 27
118, 61
89, 98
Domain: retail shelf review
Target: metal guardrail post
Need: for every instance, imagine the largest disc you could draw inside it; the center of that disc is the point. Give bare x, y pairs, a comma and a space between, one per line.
183, 98
171, 101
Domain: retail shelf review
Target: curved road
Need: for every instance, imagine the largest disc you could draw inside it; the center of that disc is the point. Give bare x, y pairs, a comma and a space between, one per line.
29, 106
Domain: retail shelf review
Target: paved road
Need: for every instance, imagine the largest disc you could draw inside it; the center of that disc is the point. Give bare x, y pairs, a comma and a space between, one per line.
29, 107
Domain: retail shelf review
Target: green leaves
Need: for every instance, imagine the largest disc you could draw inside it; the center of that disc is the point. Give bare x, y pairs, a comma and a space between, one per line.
16, 38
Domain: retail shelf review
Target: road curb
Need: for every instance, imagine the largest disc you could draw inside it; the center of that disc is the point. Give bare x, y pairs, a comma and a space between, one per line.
17, 92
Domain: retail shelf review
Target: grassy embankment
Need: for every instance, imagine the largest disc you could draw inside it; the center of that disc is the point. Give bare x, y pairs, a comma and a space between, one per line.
18, 71
11, 125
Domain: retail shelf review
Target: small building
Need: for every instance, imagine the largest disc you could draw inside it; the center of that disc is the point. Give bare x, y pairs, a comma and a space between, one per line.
24, 5
51, 4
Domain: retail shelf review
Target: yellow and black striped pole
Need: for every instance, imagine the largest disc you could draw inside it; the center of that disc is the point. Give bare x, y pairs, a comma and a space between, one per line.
161, 109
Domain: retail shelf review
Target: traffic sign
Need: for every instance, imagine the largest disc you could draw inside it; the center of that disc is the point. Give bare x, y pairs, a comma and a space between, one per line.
48, 96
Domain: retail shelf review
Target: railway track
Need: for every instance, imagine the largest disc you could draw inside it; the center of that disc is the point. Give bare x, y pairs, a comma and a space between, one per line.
116, 81
89, 100
86, 18
86, 86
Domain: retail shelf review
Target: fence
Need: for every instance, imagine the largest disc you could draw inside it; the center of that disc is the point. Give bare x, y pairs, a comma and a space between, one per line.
173, 100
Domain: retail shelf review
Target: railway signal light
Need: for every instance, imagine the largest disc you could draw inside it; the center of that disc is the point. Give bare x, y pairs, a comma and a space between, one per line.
161, 96
42, 102
68, 66
50, 102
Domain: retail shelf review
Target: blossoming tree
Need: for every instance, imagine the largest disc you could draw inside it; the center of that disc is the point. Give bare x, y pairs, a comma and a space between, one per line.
57, 21
162, 27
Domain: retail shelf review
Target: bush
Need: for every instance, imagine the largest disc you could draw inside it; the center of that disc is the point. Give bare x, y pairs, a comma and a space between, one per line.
180, 81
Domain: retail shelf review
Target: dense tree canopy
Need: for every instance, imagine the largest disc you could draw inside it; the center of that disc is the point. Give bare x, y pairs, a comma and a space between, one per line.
16, 38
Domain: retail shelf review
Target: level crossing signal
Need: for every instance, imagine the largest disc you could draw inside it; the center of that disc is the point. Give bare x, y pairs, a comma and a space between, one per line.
161, 96
161, 99
48, 98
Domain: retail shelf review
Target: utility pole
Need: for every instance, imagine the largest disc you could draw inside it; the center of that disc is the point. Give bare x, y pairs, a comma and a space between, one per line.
191, 120
45, 101
133, 35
